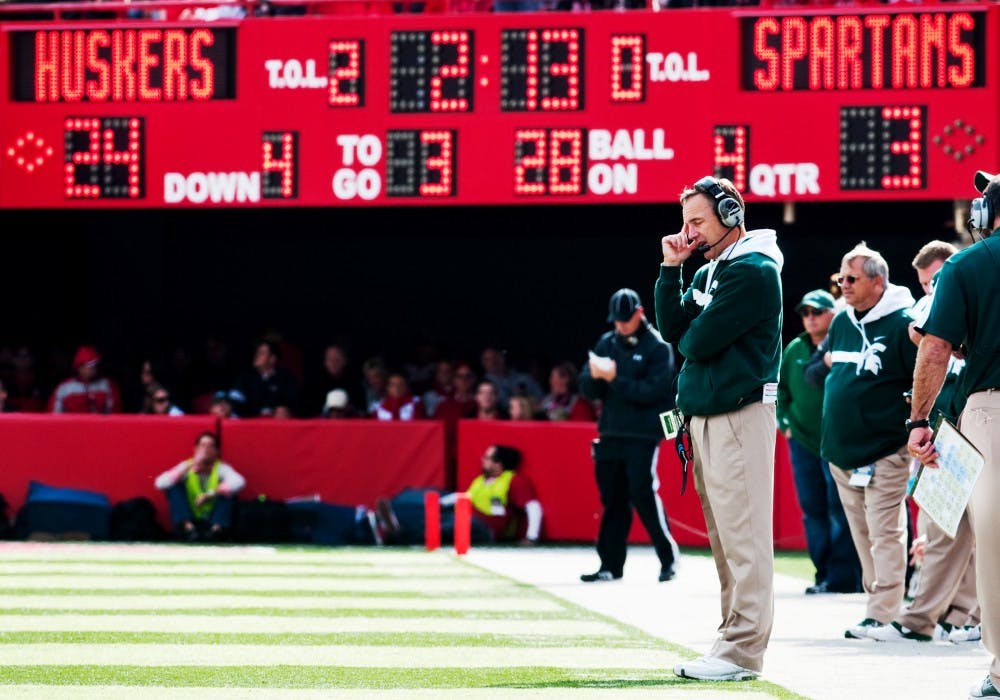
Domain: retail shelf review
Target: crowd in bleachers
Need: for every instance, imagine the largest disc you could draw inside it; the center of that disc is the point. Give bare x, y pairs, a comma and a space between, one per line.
276, 379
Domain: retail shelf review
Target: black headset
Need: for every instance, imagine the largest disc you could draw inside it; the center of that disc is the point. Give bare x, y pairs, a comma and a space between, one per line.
726, 208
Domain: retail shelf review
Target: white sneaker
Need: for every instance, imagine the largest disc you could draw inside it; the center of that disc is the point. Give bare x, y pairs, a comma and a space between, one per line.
895, 632
709, 668
968, 633
863, 629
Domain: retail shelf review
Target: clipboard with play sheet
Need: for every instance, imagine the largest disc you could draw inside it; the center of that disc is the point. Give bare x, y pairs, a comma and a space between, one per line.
943, 493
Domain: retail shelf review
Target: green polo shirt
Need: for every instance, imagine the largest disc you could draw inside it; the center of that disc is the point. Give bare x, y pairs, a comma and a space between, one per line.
966, 309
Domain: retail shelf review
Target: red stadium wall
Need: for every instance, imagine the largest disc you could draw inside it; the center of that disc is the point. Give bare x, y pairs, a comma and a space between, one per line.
348, 462
557, 459
117, 456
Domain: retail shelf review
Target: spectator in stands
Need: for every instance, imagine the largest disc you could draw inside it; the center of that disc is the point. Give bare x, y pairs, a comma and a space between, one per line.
399, 403
441, 388
4, 408
462, 401
142, 399
337, 405
201, 492
420, 371
564, 402
222, 405
336, 375
488, 402
505, 507
223, 10
24, 390
212, 372
160, 403
522, 408
509, 382
86, 391
268, 389
373, 383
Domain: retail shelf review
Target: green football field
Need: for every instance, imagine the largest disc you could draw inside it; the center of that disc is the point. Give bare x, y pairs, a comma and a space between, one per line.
172, 621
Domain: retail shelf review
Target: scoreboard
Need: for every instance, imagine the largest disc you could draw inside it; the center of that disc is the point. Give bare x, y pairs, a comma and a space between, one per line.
839, 104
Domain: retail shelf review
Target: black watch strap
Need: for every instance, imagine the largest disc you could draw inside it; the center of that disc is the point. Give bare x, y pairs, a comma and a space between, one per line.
920, 423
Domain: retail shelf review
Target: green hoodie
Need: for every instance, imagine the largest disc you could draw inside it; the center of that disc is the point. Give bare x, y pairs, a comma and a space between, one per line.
800, 404
727, 325
863, 403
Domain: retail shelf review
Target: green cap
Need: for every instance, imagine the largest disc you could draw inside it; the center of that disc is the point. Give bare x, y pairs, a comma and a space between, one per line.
817, 299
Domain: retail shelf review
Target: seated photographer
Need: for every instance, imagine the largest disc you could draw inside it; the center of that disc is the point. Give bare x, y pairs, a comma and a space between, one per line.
504, 506
201, 492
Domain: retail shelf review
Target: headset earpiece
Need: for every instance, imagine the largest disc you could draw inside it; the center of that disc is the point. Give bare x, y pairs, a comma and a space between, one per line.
727, 210
981, 214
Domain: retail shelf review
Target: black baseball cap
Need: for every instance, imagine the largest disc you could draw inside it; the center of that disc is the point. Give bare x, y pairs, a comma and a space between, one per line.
983, 180
623, 304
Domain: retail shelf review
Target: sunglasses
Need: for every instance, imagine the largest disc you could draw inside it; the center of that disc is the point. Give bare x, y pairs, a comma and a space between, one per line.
161, 399
840, 279
810, 311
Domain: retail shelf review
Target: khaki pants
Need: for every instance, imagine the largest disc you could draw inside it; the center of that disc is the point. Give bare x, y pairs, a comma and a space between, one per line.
946, 590
877, 516
734, 476
980, 423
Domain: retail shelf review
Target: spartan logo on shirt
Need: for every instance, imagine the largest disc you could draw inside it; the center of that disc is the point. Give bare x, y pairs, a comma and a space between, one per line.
867, 360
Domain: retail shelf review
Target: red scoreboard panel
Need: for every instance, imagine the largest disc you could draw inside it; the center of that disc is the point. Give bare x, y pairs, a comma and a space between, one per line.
499, 109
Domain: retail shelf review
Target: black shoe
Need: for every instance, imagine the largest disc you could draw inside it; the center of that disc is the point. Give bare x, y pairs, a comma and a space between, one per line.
821, 587
213, 534
601, 575
667, 573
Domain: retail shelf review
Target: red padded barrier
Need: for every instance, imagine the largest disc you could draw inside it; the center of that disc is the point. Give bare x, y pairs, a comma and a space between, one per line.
118, 456
557, 459
348, 462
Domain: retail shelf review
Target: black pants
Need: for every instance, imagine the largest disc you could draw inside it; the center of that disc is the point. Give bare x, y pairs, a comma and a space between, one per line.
626, 478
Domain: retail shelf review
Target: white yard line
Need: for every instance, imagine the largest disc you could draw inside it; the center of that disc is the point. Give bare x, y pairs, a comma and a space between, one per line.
266, 624
208, 582
95, 551
262, 655
277, 568
222, 601
117, 692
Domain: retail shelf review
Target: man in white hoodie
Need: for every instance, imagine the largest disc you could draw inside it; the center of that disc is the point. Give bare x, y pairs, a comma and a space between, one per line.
871, 361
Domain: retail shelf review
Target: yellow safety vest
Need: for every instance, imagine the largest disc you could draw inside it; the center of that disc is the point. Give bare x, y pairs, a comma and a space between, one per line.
195, 489
482, 492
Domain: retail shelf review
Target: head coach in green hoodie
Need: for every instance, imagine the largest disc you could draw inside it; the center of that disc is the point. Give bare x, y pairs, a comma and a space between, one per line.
871, 368
727, 324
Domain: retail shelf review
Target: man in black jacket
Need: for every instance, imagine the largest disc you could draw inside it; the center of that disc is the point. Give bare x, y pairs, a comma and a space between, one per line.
631, 372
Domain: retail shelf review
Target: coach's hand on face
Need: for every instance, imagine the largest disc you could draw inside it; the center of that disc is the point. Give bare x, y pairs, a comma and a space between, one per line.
677, 247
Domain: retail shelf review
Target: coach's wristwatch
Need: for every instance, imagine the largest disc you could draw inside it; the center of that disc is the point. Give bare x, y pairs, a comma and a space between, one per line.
919, 423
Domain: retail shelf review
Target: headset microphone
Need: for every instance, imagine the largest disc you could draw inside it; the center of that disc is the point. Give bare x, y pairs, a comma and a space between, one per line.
705, 247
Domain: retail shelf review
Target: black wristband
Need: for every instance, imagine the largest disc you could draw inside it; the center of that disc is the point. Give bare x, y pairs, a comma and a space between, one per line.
919, 423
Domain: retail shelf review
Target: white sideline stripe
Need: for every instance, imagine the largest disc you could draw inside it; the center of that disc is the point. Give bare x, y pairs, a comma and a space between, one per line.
265, 624
117, 692
376, 583
331, 569
222, 601
263, 655
54, 551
